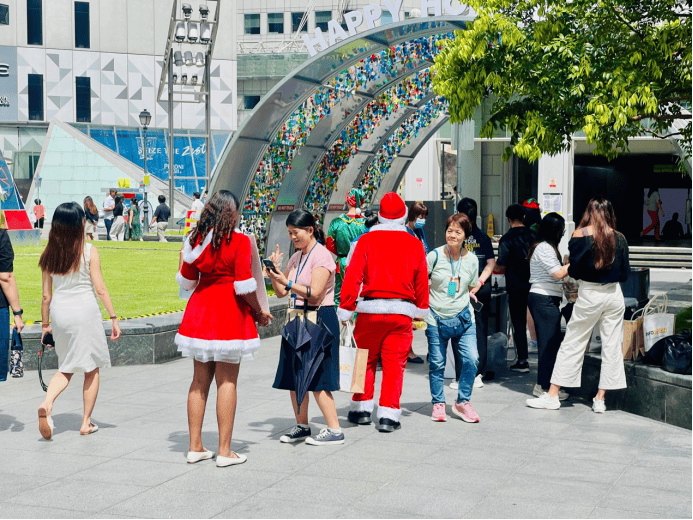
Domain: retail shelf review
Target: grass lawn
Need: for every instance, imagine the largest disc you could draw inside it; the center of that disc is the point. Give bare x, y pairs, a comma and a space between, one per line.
140, 277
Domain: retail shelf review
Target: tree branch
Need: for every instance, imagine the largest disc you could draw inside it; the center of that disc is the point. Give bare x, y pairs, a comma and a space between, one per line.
662, 117
661, 136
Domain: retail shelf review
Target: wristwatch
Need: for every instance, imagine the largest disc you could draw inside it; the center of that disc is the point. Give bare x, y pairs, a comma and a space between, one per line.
288, 287
18, 313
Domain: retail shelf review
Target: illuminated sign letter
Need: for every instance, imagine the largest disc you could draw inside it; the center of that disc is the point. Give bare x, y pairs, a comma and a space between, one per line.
334, 30
460, 10
353, 19
319, 40
393, 8
371, 13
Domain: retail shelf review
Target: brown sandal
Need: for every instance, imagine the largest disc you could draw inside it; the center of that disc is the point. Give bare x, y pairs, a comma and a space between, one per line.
45, 423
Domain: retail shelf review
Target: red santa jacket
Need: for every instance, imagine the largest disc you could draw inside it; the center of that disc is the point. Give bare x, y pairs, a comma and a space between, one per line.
389, 269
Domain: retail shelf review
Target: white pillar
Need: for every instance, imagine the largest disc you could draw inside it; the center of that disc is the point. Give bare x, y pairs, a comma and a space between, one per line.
555, 190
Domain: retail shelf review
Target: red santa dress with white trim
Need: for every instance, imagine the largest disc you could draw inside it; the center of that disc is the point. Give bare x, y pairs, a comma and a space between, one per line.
218, 324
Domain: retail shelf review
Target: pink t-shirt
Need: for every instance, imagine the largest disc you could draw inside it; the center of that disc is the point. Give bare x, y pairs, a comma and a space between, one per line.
318, 257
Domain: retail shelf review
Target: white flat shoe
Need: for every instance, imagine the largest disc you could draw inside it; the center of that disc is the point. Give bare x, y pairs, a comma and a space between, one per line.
222, 462
197, 456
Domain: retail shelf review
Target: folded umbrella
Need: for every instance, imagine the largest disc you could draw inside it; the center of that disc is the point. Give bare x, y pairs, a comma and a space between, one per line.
307, 341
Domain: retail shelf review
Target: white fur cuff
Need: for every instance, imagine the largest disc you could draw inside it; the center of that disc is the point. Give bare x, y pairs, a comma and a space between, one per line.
186, 284
389, 413
344, 315
388, 306
245, 286
361, 406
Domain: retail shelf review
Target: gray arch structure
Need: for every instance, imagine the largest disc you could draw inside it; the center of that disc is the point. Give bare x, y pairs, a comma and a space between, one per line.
241, 159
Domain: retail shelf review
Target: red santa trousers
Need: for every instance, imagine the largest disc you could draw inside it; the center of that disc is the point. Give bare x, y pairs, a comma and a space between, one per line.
387, 337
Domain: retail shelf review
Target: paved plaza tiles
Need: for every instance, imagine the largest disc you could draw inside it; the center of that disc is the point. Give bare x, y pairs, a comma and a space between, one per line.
517, 462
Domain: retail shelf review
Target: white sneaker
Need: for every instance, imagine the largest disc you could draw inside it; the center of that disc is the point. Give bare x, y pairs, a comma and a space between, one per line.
454, 385
478, 383
532, 346
598, 406
562, 394
544, 401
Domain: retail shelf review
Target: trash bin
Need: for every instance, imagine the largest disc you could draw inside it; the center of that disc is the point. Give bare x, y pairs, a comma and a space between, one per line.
638, 285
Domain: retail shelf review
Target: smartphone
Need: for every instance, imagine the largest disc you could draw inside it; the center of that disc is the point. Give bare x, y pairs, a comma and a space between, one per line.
477, 306
48, 340
269, 265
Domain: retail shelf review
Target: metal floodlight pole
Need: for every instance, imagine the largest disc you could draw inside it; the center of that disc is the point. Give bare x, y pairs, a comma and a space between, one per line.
144, 193
208, 124
170, 133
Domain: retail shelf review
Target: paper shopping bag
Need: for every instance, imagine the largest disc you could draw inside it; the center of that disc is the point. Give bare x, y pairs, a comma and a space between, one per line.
657, 323
633, 340
656, 327
352, 362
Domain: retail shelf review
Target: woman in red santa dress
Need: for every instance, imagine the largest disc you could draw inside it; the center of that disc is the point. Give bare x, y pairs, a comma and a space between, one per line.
389, 269
218, 329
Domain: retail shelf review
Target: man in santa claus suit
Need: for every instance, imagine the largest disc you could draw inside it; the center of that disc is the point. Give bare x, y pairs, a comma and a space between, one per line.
389, 270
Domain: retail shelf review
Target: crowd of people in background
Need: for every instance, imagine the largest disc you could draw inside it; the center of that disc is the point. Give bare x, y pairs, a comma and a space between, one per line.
386, 277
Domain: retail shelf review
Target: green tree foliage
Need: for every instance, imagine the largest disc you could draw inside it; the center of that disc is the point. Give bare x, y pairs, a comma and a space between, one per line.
613, 69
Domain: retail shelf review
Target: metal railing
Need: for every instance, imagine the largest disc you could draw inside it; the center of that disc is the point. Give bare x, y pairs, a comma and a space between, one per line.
271, 47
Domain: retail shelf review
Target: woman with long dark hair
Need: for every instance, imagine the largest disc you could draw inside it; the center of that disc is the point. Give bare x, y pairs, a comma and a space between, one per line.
218, 328
309, 275
118, 227
653, 203
91, 213
599, 260
69, 310
546, 272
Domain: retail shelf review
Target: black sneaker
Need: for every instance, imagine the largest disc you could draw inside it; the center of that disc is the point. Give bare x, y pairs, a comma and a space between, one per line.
416, 360
388, 425
520, 366
359, 417
297, 434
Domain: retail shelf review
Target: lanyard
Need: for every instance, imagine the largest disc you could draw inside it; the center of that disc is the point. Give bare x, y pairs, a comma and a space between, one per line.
455, 271
300, 268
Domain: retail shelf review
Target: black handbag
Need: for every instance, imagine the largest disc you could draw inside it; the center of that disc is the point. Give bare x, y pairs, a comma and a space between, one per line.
16, 353
47, 342
677, 354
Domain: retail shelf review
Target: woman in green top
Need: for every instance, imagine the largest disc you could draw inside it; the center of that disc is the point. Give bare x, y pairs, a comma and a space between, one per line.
453, 271
134, 222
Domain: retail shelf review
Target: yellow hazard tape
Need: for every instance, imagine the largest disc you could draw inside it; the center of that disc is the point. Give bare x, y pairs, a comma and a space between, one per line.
31, 322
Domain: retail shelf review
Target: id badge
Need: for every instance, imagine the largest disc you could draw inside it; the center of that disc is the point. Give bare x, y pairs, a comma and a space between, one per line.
452, 288
293, 301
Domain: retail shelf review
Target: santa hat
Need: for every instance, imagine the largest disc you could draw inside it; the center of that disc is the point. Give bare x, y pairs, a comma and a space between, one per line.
392, 209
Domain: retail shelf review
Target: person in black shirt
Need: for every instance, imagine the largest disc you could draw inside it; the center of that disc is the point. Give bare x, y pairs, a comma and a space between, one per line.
160, 219
673, 230
118, 227
513, 249
9, 298
478, 243
599, 259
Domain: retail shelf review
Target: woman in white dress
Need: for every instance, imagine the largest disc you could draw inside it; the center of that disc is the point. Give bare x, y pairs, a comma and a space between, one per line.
71, 281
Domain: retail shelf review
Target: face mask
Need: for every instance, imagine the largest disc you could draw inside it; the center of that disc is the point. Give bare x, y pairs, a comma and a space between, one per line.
420, 223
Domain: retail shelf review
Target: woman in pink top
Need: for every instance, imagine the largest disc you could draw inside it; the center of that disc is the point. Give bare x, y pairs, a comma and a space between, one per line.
39, 212
310, 274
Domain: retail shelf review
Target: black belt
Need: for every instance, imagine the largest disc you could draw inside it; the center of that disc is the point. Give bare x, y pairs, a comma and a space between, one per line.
305, 307
369, 299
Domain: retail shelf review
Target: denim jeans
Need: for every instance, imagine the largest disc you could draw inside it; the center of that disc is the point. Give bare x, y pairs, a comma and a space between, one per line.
4, 343
463, 339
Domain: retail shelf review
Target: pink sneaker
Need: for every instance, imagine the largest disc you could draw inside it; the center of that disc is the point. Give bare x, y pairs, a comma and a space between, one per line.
439, 414
465, 412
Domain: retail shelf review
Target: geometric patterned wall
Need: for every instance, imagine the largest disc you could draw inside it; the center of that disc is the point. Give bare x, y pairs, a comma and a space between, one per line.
122, 85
